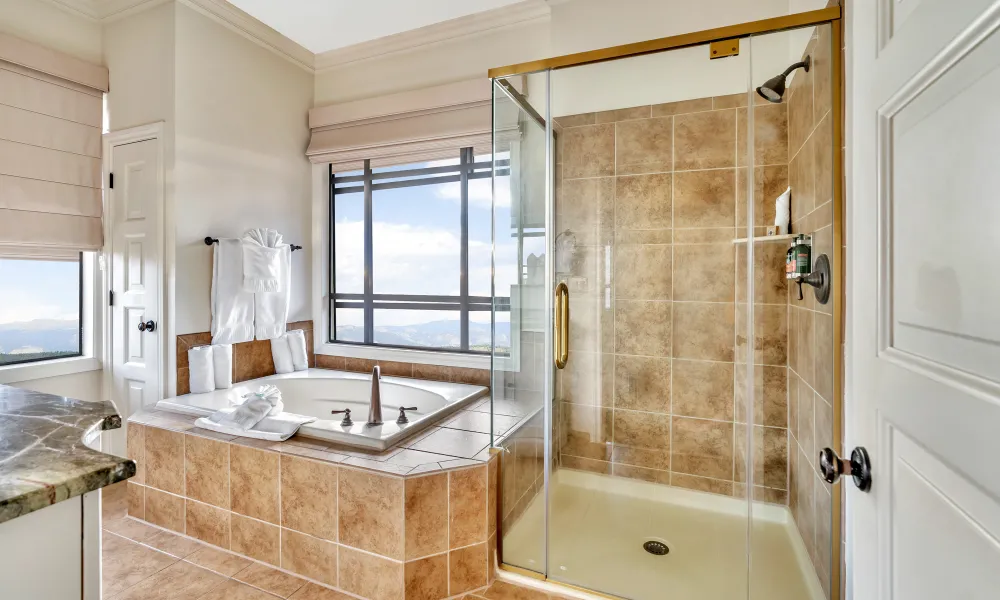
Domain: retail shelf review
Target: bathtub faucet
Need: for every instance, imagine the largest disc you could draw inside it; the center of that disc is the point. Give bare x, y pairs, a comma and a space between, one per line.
375, 405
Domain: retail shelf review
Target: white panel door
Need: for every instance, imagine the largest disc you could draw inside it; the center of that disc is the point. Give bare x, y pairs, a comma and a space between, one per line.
923, 343
135, 275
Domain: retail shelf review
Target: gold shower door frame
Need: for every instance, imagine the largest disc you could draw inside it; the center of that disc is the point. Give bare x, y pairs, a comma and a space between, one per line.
831, 15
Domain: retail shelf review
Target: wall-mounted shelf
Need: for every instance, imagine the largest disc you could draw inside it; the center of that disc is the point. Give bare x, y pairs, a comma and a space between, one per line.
767, 238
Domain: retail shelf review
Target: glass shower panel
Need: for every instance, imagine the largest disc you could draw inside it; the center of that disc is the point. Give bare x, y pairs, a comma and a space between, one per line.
521, 320
791, 386
645, 501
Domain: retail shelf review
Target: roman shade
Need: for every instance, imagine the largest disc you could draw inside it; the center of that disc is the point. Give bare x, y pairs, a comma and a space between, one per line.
51, 114
408, 127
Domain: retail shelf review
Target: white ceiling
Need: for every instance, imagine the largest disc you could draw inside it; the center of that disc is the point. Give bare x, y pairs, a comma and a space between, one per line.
322, 25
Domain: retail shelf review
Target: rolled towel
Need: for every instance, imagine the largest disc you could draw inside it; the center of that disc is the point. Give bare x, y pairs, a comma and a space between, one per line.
262, 258
201, 368
222, 358
282, 355
297, 346
270, 393
245, 415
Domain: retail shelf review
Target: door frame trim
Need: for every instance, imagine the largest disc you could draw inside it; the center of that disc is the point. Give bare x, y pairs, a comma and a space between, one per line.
151, 131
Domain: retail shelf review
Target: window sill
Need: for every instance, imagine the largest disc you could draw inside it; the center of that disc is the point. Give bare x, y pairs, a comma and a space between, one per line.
48, 368
420, 357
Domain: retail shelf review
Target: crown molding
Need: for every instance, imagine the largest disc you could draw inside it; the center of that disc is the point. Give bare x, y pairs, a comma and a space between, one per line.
522, 13
80, 8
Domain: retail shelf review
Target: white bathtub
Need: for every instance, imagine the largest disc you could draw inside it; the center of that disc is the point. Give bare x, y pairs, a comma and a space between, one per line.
316, 392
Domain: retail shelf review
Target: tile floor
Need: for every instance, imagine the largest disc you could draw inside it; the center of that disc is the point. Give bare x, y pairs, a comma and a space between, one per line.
142, 562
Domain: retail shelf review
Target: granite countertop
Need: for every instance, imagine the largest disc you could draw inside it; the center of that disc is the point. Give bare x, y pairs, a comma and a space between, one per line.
43, 454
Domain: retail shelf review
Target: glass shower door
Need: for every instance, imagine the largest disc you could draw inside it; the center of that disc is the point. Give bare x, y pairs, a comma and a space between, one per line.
522, 363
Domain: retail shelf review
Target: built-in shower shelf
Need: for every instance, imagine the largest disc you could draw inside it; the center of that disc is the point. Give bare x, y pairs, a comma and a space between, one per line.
767, 238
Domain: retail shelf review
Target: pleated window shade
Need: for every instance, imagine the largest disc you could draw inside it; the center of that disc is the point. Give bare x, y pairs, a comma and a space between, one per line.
51, 113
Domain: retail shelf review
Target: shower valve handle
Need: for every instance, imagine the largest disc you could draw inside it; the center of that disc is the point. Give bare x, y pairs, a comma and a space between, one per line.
347, 422
402, 420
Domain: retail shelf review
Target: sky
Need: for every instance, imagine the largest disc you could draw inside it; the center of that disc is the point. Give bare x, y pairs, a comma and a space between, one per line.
416, 241
35, 289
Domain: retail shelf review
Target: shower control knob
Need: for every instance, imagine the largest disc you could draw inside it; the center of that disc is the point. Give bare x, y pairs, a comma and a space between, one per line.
859, 467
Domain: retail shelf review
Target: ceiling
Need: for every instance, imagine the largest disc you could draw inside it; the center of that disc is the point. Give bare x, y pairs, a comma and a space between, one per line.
325, 25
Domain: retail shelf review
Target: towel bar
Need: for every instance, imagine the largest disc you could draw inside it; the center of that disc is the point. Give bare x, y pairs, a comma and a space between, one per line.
211, 240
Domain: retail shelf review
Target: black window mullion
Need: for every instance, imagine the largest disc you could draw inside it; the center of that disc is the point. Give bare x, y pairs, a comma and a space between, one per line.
369, 258
466, 158
333, 256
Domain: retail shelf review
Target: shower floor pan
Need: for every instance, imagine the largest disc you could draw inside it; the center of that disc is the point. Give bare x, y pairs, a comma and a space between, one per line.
600, 524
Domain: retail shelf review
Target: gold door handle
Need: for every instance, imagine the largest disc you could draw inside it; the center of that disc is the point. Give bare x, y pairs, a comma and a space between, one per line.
561, 337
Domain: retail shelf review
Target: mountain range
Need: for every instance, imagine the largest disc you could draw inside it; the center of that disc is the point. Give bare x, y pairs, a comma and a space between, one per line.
48, 335
433, 334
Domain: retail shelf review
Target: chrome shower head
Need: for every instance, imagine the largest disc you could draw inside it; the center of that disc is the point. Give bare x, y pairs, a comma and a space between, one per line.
774, 88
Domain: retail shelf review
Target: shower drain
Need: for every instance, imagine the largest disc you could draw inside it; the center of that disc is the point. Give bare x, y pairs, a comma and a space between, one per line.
656, 547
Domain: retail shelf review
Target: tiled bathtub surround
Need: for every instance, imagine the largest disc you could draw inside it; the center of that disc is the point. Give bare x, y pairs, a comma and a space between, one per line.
810, 324
403, 524
653, 197
252, 360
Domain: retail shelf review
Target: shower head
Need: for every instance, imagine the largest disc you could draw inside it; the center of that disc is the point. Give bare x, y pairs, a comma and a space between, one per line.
774, 88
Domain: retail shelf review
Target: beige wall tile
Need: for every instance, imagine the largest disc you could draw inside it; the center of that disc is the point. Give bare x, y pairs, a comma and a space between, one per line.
644, 146
771, 324
705, 140
136, 450
642, 439
701, 447
706, 235
704, 273
802, 179
426, 515
255, 539
588, 431
427, 579
337, 363
704, 331
586, 208
308, 556
371, 512
207, 523
165, 510
705, 198
643, 201
642, 327
642, 383
467, 569
136, 500
806, 431
823, 355
822, 146
254, 482
642, 474
769, 183
682, 107
206, 470
703, 389
799, 98
770, 135
577, 120
493, 475
252, 360
165, 459
588, 151
773, 469
585, 464
702, 484
467, 502
309, 497
642, 272
369, 576
623, 114
729, 101
806, 345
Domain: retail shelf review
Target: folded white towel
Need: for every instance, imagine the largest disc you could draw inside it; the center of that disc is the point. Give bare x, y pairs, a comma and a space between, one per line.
201, 369
297, 346
271, 308
222, 358
282, 355
244, 416
276, 429
262, 261
232, 306
270, 393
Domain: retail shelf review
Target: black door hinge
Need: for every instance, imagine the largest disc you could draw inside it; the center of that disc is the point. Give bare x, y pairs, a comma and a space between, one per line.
111, 180
111, 298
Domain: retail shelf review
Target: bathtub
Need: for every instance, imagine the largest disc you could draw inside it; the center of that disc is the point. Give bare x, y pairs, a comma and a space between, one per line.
316, 392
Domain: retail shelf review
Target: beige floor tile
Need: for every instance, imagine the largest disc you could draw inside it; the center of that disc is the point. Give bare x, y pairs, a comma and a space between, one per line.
132, 529
127, 563
173, 544
180, 581
221, 562
270, 580
234, 590
311, 591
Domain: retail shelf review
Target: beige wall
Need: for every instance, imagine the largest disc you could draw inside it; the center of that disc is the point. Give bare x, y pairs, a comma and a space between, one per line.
241, 134
45, 24
81, 386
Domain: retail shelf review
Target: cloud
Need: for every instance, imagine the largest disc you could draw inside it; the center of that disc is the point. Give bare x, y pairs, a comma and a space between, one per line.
480, 190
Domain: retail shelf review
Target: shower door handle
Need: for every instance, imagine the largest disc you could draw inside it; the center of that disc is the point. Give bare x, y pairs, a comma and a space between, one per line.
560, 341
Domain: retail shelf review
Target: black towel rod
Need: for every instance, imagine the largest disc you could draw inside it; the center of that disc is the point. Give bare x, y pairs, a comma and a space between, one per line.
211, 240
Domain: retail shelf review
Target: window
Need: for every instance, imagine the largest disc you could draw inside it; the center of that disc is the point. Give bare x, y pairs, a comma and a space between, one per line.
412, 255
40, 309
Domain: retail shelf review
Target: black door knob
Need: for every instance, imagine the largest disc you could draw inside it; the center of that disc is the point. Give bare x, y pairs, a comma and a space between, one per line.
859, 467
147, 326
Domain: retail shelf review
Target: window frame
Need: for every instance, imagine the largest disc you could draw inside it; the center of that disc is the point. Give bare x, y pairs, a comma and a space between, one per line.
466, 170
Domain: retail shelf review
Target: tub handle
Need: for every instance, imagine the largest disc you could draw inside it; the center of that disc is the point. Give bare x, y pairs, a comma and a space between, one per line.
402, 420
347, 422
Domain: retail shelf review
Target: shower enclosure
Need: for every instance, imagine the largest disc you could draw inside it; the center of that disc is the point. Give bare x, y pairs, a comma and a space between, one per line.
663, 379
